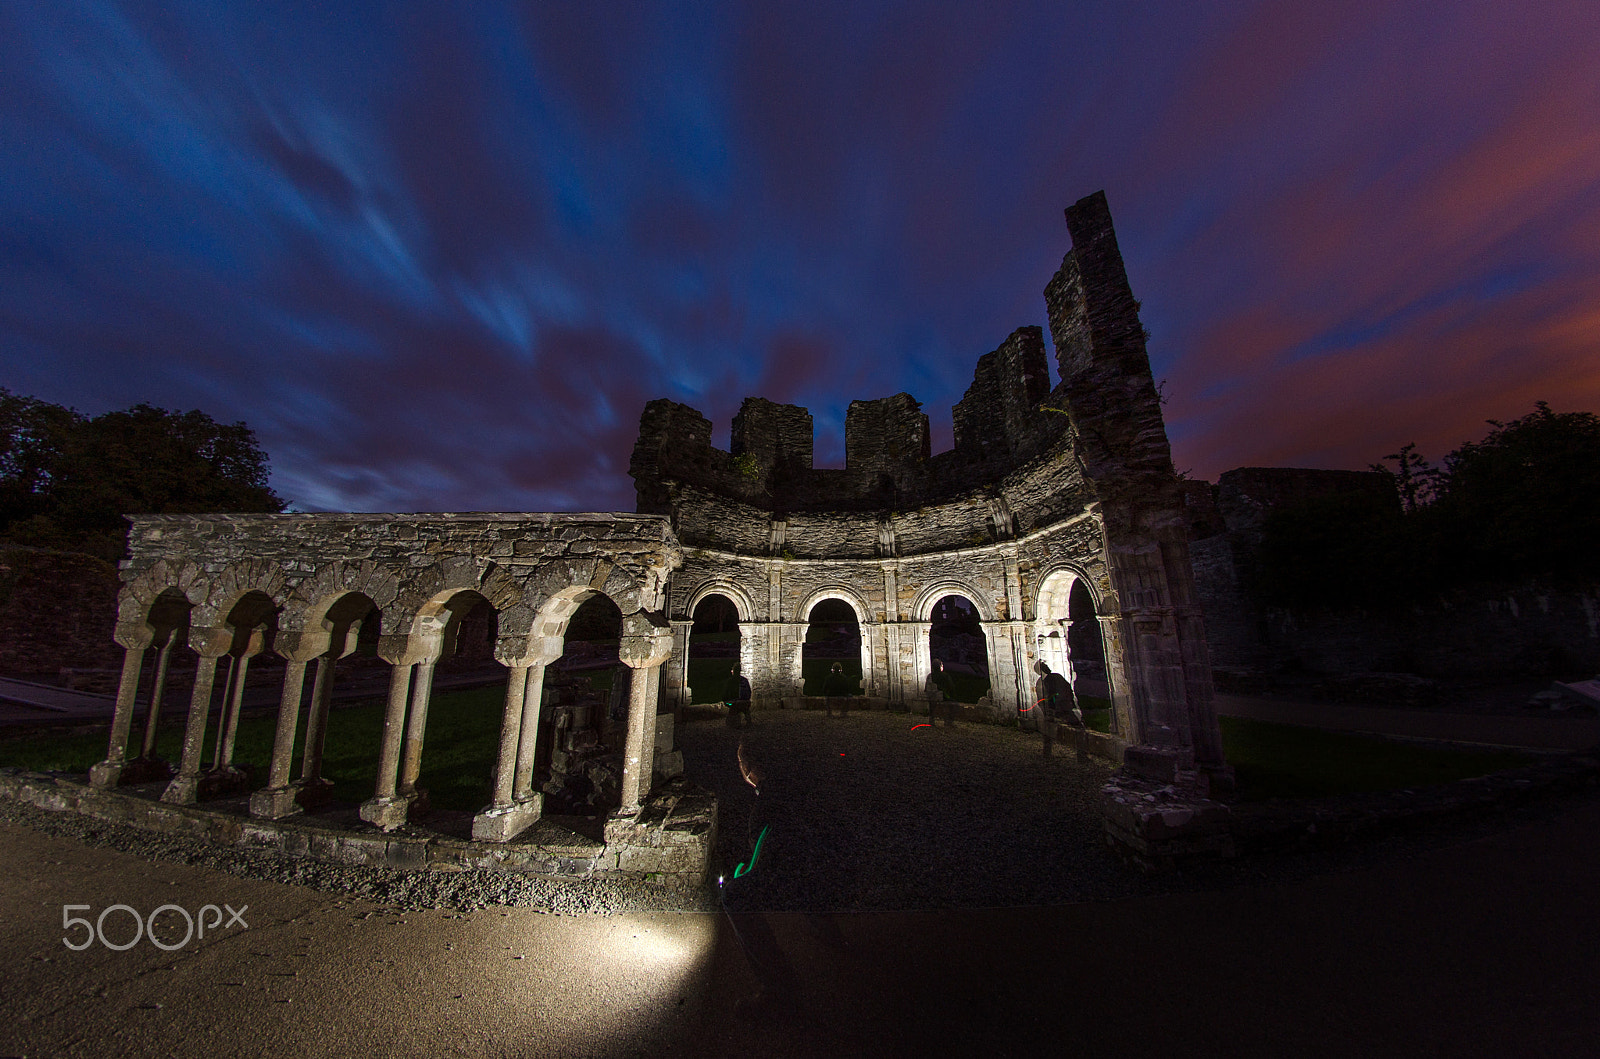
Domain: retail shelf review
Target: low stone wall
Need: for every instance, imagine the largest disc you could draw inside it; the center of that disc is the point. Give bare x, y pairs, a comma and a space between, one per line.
57, 611
669, 844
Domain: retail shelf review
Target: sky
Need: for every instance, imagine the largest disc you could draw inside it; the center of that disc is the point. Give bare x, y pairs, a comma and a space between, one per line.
439, 256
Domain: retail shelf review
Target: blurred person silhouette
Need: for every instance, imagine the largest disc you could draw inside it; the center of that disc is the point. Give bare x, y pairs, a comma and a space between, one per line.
737, 696
1054, 703
746, 892
836, 691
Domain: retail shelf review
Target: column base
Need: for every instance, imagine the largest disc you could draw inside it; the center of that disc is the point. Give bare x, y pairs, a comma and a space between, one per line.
106, 774
274, 803
621, 824
387, 813
183, 790
507, 822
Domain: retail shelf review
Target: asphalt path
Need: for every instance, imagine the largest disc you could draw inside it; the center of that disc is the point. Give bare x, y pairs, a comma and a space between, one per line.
1485, 946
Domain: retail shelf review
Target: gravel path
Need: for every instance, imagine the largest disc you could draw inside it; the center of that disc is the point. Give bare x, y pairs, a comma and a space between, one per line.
878, 810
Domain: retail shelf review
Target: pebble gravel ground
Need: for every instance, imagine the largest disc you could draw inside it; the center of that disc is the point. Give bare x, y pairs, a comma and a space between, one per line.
868, 812
880, 810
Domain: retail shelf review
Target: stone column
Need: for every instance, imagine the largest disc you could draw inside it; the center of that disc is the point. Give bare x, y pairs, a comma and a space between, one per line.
317, 726
278, 798
528, 740
210, 644
758, 653
638, 755
516, 805
915, 638
234, 701
134, 640
505, 773
416, 730
873, 683
158, 688
792, 638
1122, 715
385, 808
645, 644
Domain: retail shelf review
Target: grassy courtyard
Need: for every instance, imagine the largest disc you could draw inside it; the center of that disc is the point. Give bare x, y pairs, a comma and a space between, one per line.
1270, 760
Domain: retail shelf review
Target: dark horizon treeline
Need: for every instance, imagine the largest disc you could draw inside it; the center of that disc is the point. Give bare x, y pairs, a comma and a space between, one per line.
1521, 506
67, 479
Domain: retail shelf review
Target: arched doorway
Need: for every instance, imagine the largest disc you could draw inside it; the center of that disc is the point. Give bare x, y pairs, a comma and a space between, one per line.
955, 638
832, 635
1087, 650
1067, 638
714, 646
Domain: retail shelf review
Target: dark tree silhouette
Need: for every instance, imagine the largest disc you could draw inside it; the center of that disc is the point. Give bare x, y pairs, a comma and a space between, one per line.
67, 479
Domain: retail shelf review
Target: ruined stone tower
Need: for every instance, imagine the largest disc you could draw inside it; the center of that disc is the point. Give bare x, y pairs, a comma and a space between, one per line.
1043, 490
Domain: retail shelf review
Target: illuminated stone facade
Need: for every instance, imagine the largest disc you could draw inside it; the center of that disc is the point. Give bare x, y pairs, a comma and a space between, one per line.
1044, 490
1046, 493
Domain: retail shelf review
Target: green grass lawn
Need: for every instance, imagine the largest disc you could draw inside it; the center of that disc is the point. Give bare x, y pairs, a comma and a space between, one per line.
1269, 760
457, 759
1288, 761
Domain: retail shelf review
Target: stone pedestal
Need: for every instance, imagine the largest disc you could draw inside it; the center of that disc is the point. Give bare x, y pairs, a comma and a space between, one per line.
507, 822
275, 803
184, 790
622, 825
387, 813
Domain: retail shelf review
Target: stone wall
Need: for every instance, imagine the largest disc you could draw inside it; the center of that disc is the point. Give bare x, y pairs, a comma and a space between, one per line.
57, 610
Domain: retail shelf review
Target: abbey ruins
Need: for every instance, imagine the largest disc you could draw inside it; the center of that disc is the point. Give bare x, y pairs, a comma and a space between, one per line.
1057, 509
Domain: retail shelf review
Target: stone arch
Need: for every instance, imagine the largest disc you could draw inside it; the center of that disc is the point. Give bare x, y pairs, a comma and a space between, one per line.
547, 638
434, 624
312, 598
734, 592
923, 603
870, 680
1055, 590
138, 596
237, 581
843, 593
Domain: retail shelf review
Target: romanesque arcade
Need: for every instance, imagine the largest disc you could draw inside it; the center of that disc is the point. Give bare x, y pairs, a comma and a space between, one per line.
304, 587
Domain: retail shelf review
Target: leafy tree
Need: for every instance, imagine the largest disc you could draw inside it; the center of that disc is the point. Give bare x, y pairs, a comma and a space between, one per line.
1415, 480
66, 480
1525, 501
1522, 503
34, 436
